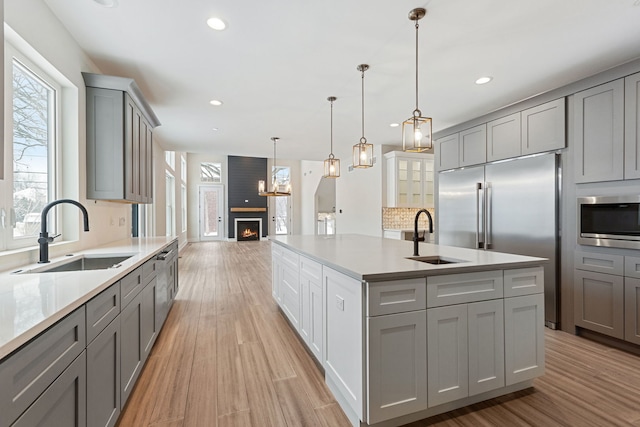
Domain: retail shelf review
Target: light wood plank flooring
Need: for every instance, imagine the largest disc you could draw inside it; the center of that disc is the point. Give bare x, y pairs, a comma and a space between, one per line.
227, 357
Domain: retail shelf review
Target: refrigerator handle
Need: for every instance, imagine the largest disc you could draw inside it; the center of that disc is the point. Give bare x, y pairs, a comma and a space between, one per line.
479, 216
487, 235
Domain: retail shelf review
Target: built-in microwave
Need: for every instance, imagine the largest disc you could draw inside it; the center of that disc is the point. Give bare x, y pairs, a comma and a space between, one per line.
612, 221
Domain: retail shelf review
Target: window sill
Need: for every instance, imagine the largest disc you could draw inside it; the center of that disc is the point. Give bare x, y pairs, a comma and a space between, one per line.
12, 258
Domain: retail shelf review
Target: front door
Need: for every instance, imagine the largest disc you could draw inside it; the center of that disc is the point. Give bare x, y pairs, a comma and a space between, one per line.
211, 212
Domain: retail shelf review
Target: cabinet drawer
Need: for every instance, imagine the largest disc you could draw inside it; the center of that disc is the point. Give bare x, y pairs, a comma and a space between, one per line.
523, 281
149, 270
29, 371
101, 310
130, 286
632, 266
311, 269
600, 263
463, 288
290, 259
396, 297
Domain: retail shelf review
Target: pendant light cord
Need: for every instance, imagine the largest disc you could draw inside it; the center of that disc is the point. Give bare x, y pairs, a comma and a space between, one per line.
331, 151
363, 139
417, 25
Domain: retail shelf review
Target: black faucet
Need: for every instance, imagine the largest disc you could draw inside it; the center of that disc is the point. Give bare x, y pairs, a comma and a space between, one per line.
44, 239
415, 230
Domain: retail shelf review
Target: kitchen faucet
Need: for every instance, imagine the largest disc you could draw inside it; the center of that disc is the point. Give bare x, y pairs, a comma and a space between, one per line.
44, 239
415, 230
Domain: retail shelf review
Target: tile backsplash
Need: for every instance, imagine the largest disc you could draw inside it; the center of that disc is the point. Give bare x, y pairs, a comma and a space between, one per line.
402, 218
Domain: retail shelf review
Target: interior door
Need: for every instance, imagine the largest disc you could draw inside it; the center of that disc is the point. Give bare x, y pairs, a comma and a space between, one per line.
211, 212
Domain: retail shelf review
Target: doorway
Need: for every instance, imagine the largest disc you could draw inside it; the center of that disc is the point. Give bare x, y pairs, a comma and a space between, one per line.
211, 201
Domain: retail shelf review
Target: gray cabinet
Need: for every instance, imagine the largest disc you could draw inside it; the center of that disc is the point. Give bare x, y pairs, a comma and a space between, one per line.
599, 302
523, 337
473, 146
632, 126
598, 133
27, 373
101, 310
447, 152
119, 140
131, 349
63, 403
148, 320
103, 377
543, 127
503, 138
632, 310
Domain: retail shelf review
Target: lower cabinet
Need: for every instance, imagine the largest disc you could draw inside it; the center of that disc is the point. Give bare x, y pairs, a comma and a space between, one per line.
311, 307
465, 350
397, 349
523, 338
103, 377
599, 302
131, 354
63, 403
148, 320
632, 310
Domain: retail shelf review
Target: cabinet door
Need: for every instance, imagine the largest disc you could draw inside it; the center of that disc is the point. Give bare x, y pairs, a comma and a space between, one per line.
149, 161
598, 133
428, 192
447, 152
148, 323
543, 127
290, 284
63, 403
143, 196
599, 302
486, 346
473, 146
503, 138
447, 354
103, 377
132, 121
276, 271
305, 311
131, 351
403, 182
415, 190
343, 362
523, 338
105, 157
101, 310
632, 310
397, 350
632, 127
316, 316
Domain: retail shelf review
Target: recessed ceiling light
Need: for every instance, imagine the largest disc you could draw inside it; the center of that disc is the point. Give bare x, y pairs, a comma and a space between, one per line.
483, 80
107, 3
216, 23
214, 129
394, 125
215, 102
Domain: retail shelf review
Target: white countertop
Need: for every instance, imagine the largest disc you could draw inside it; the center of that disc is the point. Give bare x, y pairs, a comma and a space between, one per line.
375, 258
32, 302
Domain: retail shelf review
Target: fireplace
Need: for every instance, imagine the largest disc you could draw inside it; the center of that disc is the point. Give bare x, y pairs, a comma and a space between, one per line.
248, 229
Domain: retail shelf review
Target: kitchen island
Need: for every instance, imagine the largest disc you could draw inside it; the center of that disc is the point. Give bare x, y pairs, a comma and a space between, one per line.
403, 339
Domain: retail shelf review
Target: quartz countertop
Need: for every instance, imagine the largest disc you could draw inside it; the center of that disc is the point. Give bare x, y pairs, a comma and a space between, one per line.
372, 259
32, 302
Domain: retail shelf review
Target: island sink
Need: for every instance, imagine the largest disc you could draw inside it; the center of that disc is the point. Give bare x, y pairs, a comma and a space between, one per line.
83, 263
436, 260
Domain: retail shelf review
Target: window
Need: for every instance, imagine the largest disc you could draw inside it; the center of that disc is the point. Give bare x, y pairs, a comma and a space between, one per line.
210, 172
184, 208
170, 158
183, 168
282, 175
171, 203
31, 127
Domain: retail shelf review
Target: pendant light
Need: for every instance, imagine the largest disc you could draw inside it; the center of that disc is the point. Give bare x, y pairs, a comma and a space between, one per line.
416, 130
331, 164
276, 189
363, 152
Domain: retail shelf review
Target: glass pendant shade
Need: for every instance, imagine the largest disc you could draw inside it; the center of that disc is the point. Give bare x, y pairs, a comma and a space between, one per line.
363, 155
331, 164
416, 134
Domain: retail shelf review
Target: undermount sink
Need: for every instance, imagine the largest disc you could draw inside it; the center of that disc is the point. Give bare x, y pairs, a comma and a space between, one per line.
435, 260
82, 263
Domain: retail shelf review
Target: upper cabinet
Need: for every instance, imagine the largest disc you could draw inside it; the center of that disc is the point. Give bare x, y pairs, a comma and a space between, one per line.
598, 133
534, 130
120, 126
409, 182
632, 126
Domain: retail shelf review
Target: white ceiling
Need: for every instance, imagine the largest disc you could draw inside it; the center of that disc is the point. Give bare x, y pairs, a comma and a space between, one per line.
278, 61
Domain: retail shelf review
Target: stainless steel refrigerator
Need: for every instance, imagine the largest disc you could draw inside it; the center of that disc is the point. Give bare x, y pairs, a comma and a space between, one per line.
507, 206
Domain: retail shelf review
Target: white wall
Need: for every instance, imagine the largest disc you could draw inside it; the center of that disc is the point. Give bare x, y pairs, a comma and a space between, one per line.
310, 178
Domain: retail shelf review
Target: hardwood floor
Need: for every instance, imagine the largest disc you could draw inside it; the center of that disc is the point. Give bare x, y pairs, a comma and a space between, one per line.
227, 357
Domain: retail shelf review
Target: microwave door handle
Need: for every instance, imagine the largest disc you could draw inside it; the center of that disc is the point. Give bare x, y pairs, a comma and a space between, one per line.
479, 215
489, 216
